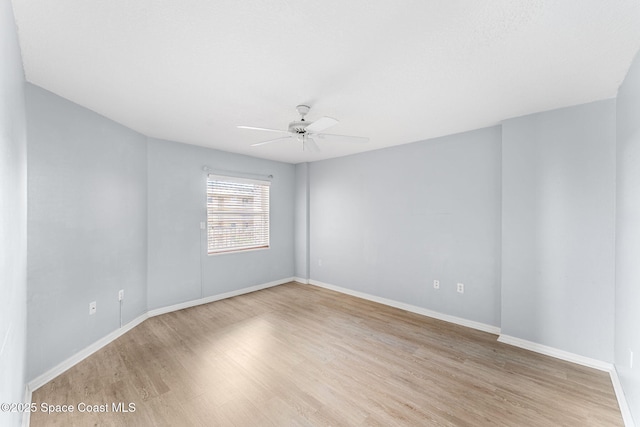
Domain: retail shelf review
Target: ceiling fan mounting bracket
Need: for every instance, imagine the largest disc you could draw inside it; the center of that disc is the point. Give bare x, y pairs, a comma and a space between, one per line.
302, 110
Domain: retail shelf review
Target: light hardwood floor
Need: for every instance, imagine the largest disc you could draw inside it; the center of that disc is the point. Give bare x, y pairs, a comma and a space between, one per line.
297, 355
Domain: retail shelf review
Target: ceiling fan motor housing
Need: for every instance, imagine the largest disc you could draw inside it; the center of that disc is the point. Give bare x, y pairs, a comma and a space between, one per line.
298, 127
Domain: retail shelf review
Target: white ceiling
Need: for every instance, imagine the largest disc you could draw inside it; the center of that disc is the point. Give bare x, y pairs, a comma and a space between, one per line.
395, 71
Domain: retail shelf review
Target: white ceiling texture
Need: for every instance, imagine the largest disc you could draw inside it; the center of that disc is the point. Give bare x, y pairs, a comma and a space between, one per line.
394, 71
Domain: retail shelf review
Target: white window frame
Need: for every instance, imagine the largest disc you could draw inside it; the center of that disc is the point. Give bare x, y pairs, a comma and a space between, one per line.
232, 226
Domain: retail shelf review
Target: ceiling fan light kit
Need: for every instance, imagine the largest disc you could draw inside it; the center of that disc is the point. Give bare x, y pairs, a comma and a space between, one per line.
305, 131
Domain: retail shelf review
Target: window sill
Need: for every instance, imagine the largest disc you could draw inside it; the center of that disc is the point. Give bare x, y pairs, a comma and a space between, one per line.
238, 251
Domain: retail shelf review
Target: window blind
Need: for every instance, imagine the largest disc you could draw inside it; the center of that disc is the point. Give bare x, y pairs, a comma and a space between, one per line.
237, 214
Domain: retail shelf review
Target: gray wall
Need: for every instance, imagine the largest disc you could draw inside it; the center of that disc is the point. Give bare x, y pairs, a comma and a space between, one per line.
558, 229
523, 215
627, 337
301, 219
389, 222
179, 269
111, 209
87, 227
13, 218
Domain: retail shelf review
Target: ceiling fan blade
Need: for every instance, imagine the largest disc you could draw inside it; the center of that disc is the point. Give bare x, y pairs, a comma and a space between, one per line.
321, 124
267, 129
270, 141
308, 144
343, 137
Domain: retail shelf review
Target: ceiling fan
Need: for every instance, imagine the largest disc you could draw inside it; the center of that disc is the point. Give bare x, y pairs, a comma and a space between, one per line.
306, 132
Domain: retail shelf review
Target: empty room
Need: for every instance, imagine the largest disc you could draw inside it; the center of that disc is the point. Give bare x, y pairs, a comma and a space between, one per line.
297, 213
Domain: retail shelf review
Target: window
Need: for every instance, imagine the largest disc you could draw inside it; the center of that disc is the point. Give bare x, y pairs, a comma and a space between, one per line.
237, 214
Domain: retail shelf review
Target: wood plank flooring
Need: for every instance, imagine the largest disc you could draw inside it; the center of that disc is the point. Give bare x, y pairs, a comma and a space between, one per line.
297, 355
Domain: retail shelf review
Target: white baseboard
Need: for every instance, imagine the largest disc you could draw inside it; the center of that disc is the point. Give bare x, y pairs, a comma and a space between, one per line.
580, 360
554, 352
88, 351
41, 380
412, 308
528, 345
213, 298
622, 400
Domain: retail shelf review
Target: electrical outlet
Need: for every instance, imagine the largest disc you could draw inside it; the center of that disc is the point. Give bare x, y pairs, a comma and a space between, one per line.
92, 307
120, 294
436, 284
320, 262
461, 288
631, 359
